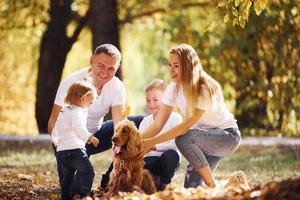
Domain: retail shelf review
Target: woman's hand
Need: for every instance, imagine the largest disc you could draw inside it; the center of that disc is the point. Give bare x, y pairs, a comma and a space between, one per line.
147, 146
147, 143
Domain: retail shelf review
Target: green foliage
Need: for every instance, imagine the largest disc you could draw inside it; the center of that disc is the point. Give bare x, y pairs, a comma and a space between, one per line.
266, 56
237, 11
256, 60
257, 67
22, 24
139, 68
22, 14
21, 28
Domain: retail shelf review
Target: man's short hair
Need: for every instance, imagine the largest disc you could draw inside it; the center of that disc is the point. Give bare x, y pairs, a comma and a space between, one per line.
109, 49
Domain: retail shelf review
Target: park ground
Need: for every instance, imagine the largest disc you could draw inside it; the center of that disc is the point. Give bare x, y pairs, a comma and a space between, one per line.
29, 171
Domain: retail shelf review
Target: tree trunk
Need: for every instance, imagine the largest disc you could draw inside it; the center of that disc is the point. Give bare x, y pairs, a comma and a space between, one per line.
53, 51
55, 45
104, 24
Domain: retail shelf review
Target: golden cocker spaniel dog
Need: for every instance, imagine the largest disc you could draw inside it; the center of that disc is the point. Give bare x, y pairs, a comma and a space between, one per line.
128, 168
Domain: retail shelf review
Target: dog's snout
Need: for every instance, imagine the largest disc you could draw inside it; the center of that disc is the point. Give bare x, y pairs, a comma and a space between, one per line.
114, 139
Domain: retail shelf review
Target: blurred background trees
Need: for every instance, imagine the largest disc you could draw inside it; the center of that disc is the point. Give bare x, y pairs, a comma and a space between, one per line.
255, 58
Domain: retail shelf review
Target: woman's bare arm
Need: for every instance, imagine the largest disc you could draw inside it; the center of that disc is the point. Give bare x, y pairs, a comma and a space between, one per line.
161, 118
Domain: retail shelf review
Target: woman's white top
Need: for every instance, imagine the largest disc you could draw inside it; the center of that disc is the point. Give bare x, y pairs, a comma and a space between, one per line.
70, 130
216, 114
113, 93
173, 121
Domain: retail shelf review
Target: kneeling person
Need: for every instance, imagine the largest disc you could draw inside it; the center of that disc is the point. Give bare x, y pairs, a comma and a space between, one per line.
163, 159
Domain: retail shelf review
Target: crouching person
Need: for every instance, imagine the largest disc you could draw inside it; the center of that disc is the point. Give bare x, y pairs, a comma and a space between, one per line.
163, 159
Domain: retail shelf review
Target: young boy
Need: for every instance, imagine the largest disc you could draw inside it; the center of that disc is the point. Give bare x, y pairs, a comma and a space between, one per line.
163, 160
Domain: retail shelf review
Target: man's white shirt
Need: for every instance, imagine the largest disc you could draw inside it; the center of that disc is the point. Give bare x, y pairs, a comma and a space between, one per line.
113, 93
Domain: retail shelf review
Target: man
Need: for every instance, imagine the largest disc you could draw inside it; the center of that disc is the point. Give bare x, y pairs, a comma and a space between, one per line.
104, 64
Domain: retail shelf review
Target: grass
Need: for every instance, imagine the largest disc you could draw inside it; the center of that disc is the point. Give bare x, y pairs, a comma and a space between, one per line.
260, 164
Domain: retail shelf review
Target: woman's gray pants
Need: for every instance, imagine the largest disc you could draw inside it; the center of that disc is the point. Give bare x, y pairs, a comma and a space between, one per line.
206, 147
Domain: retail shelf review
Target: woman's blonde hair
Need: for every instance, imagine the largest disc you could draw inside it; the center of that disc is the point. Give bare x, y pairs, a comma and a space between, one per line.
193, 78
158, 84
77, 90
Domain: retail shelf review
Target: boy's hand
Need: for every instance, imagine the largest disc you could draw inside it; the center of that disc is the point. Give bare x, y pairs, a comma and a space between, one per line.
93, 140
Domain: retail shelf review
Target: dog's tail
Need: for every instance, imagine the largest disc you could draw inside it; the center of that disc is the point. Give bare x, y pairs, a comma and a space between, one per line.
148, 185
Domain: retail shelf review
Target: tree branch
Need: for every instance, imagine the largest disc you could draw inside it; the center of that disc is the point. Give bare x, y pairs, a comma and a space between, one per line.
129, 19
77, 31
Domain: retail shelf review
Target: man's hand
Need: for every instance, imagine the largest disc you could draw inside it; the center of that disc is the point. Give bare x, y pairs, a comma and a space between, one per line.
93, 140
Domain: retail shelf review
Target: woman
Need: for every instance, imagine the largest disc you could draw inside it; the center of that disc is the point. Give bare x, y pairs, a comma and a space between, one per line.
209, 131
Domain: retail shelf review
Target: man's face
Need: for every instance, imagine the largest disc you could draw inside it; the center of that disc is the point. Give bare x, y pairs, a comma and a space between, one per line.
103, 68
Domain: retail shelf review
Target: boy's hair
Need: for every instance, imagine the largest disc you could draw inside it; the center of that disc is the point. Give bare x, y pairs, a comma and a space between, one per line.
78, 90
110, 50
158, 84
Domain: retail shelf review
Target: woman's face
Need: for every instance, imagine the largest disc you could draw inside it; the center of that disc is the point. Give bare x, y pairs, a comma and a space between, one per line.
174, 67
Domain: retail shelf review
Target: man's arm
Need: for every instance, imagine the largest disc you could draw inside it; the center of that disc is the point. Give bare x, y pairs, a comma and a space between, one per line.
117, 113
53, 117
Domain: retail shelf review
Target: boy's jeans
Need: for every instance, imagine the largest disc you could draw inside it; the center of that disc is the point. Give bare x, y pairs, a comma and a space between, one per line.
163, 166
71, 161
206, 147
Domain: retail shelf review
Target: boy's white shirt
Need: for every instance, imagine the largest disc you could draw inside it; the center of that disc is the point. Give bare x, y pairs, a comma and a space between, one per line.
216, 116
173, 121
113, 93
70, 130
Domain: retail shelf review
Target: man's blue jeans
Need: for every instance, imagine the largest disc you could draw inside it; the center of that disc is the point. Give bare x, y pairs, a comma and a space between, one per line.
104, 135
71, 161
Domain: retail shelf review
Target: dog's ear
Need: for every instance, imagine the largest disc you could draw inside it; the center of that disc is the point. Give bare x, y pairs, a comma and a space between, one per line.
134, 145
126, 129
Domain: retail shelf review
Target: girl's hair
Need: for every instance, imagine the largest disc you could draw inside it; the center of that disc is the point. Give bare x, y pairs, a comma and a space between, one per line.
158, 84
78, 90
193, 78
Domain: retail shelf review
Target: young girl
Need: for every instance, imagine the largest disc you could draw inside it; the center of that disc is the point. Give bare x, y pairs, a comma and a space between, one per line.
163, 160
70, 135
209, 131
